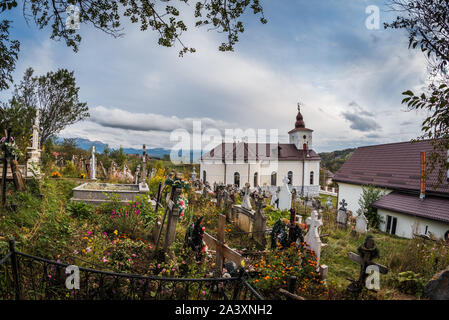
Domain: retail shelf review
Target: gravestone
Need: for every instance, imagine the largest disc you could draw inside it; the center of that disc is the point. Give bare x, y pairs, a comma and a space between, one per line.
438, 287
34, 152
260, 221
229, 201
329, 203
246, 202
361, 223
342, 215
367, 252
193, 174
93, 165
285, 196
312, 238
275, 199
137, 175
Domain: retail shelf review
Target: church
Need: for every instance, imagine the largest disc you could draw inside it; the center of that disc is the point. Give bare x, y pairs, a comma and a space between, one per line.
266, 165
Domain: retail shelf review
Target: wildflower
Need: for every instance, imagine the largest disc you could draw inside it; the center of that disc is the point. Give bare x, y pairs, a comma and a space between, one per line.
204, 293
158, 266
105, 260
88, 249
116, 232
75, 251
89, 233
133, 255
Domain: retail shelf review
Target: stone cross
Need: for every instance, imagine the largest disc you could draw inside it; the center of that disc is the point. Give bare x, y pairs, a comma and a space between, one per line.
222, 251
193, 174
246, 203
143, 175
34, 152
173, 215
93, 165
260, 221
275, 199
368, 251
342, 215
361, 223
312, 238
285, 196
329, 203
343, 204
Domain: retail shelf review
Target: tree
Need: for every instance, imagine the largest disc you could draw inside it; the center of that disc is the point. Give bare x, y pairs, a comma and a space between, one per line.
106, 150
371, 194
119, 156
427, 24
161, 16
9, 50
56, 95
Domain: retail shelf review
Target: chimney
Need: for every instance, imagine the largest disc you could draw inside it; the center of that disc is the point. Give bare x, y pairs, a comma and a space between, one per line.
422, 194
223, 150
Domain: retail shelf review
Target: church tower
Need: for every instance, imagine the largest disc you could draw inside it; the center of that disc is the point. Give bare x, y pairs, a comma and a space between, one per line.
300, 136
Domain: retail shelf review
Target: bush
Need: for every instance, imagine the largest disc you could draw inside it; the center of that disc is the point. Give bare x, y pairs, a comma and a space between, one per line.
409, 282
80, 209
70, 169
371, 194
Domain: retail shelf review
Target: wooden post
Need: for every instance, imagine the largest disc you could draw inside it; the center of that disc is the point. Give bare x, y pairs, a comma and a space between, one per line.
17, 175
220, 237
222, 251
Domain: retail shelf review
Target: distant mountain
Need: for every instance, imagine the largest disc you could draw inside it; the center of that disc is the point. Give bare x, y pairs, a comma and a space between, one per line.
86, 144
335, 159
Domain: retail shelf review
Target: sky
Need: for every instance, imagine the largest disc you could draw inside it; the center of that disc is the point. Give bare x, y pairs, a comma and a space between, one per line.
348, 77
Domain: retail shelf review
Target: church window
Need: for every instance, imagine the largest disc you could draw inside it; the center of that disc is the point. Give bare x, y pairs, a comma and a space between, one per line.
237, 179
204, 176
311, 177
255, 179
290, 178
274, 178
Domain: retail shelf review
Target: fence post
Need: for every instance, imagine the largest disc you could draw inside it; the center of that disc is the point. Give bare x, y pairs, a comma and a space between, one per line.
15, 269
238, 286
291, 285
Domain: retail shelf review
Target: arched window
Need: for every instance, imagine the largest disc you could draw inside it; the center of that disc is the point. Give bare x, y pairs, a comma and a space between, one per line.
255, 179
274, 178
446, 235
204, 176
290, 178
237, 179
311, 177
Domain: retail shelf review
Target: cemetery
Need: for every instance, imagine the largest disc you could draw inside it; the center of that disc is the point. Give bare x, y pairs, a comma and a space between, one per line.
164, 223
180, 180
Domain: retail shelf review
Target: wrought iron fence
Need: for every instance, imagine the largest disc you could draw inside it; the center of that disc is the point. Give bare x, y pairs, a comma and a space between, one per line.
23, 276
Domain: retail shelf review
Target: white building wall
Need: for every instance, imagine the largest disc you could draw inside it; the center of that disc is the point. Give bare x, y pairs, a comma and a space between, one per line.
407, 225
215, 172
351, 193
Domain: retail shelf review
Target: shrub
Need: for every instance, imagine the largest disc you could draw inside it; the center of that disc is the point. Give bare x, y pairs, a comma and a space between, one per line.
69, 169
371, 194
80, 209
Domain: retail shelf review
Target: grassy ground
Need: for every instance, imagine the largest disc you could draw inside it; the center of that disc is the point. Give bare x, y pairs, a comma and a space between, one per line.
45, 227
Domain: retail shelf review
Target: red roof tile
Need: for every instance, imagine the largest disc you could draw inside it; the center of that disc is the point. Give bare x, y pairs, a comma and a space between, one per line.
394, 166
434, 208
255, 151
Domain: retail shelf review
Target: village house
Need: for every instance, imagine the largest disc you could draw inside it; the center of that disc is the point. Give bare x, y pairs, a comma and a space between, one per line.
266, 165
414, 204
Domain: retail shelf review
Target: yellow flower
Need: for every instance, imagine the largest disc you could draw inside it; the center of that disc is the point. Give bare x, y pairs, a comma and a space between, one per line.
116, 232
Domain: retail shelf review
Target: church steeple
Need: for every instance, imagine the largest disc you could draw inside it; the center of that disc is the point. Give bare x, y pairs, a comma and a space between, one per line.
299, 119
300, 136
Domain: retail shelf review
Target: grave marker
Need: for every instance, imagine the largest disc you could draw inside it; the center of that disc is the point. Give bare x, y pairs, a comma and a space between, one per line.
222, 251
285, 196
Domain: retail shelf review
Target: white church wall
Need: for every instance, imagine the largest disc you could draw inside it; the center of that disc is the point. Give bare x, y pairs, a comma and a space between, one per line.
214, 171
407, 225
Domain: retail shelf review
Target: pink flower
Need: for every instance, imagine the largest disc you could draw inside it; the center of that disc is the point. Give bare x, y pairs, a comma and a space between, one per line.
204, 293
158, 266
88, 249
105, 260
75, 251
133, 255
203, 228
137, 211
183, 262
89, 233
49, 276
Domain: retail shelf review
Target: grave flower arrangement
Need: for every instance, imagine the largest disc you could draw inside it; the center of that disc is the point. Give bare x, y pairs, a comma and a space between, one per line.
12, 151
181, 204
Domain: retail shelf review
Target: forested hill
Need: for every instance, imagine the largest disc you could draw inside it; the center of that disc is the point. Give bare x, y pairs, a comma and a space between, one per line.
335, 159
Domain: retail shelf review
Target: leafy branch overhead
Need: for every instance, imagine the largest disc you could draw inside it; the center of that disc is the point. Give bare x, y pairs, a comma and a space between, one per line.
426, 22
161, 16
